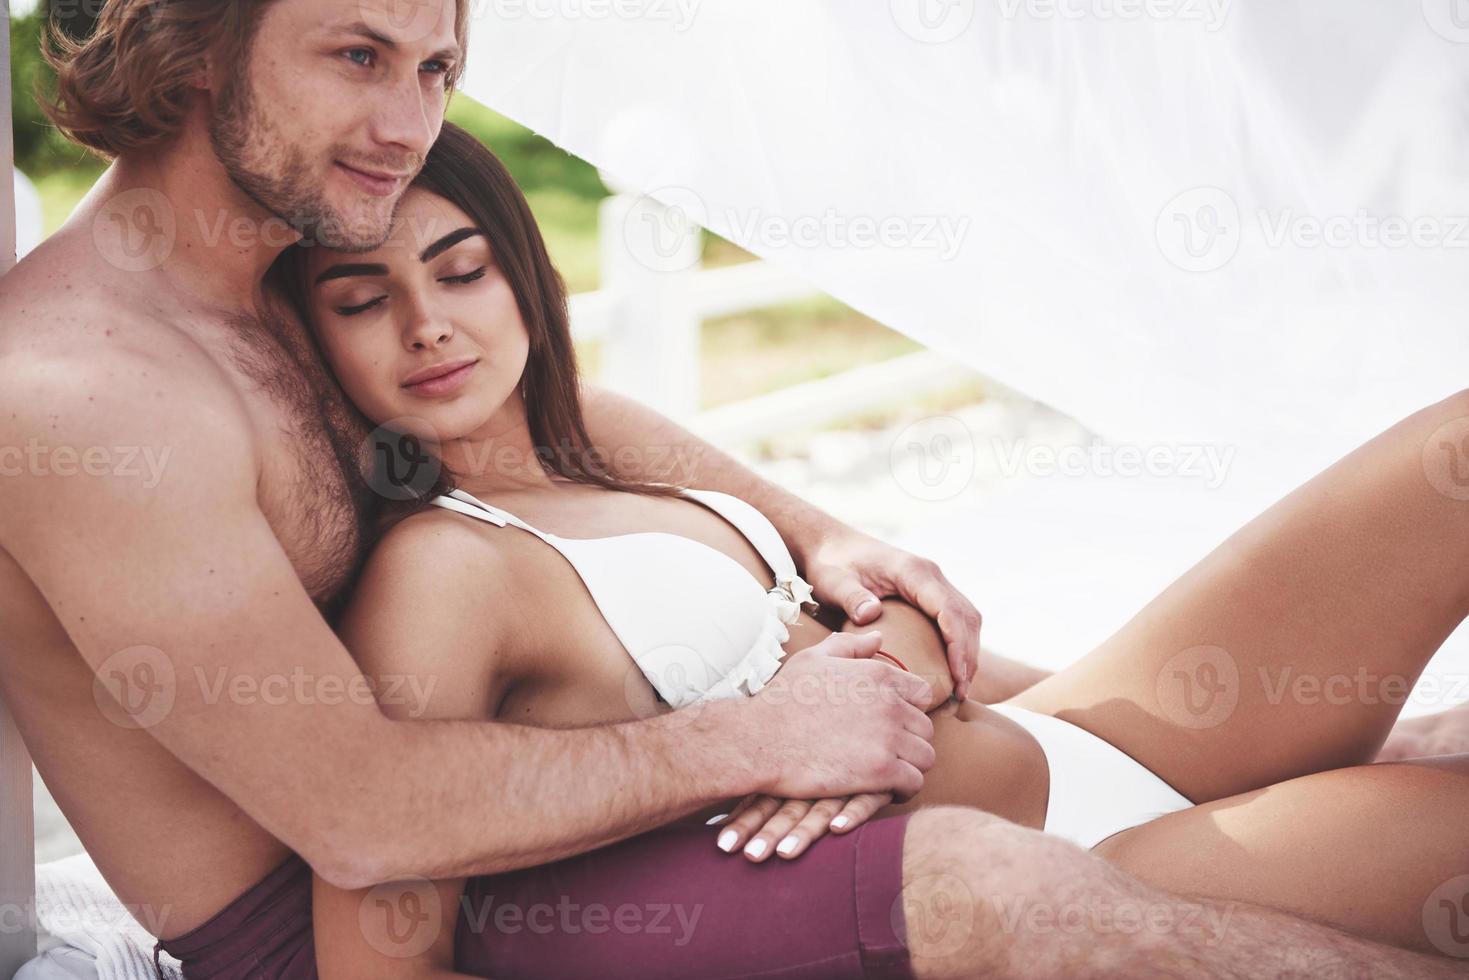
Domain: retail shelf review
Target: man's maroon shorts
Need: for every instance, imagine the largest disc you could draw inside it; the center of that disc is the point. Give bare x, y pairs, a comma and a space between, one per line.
667, 905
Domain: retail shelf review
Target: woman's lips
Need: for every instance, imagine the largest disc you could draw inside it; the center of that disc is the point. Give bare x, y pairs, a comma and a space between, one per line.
443, 384
378, 186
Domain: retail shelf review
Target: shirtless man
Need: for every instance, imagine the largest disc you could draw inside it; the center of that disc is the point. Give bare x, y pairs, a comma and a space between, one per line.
155, 615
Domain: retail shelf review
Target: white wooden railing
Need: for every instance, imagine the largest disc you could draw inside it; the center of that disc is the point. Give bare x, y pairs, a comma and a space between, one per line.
653, 301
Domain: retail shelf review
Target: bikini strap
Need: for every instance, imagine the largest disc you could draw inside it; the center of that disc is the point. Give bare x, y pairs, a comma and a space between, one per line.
463, 502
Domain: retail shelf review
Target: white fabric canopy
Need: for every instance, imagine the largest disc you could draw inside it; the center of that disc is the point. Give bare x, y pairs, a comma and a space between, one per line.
1186, 223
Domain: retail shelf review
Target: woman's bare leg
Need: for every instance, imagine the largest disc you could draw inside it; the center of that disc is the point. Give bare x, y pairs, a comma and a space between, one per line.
1290, 648
1380, 851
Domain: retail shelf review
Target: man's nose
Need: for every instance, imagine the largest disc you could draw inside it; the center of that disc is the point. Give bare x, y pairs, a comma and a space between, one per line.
408, 116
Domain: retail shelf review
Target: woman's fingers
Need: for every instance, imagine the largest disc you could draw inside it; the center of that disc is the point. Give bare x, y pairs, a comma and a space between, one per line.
747, 822
859, 810
812, 826
786, 817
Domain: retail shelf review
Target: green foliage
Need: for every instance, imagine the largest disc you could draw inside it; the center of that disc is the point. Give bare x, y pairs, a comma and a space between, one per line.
39, 148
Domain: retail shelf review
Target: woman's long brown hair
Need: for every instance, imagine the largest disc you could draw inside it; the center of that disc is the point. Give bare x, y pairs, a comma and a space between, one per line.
463, 171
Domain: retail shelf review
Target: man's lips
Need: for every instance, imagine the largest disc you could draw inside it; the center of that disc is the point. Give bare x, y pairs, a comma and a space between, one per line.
381, 183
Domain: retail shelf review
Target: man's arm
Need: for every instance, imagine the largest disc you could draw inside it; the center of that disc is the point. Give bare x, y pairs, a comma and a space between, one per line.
188, 577
846, 568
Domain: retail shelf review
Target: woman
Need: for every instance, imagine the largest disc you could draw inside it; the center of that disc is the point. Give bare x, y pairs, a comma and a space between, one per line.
1190, 754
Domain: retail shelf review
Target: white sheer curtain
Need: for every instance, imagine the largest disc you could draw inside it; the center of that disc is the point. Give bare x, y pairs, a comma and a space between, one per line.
1238, 226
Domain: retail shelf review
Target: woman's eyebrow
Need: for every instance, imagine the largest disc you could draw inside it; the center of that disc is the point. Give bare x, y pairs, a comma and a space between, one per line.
351, 269
346, 269
447, 242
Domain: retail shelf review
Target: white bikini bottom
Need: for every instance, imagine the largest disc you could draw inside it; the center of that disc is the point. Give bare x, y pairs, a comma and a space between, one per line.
1097, 790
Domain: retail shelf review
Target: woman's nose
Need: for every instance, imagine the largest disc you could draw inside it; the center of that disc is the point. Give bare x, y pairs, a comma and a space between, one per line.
427, 330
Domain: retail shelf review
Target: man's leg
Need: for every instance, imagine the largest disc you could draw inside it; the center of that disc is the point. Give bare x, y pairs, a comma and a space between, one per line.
985, 898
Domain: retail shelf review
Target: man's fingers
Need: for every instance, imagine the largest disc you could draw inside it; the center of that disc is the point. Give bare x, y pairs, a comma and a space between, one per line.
784, 820
858, 810
905, 781
917, 752
922, 583
743, 825
813, 825
918, 723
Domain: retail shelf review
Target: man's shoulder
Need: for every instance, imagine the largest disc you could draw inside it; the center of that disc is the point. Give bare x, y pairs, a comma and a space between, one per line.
72, 335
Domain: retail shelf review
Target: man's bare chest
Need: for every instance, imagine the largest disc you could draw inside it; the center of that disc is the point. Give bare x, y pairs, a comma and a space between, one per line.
314, 446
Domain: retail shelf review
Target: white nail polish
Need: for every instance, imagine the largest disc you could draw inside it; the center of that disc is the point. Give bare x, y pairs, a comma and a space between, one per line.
727, 841
788, 845
755, 848
714, 820
841, 822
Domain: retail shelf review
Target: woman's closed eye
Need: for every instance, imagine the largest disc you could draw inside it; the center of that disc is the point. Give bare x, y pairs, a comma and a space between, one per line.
467, 277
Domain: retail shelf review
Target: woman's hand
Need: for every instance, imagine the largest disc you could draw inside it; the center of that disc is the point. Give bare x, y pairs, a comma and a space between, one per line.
765, 825
855, 570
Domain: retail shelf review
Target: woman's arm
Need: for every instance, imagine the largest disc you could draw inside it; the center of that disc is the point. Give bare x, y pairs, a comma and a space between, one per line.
445, 655
914, 640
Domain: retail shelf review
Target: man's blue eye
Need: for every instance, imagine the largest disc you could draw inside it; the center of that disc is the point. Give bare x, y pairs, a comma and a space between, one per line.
366, 51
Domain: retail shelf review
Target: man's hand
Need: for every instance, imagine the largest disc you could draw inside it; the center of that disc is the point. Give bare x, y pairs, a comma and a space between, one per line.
834, 722
854, 570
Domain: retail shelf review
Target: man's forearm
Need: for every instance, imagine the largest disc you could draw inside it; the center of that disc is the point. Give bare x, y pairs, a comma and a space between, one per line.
642, 444
526, 796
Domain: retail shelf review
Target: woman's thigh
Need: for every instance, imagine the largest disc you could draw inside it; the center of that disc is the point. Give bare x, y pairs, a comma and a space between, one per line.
1381, 851
1290, 647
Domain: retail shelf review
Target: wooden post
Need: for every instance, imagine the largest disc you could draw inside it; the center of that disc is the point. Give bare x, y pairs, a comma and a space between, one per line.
17, 820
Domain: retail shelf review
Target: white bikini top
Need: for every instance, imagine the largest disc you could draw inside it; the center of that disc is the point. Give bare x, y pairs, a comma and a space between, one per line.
695, 621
